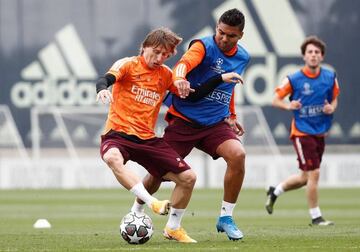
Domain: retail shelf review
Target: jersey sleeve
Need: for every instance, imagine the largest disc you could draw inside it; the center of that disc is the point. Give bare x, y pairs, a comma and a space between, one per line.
336, 89
169, 83
120, 68
284, 89
232, 106
189, 60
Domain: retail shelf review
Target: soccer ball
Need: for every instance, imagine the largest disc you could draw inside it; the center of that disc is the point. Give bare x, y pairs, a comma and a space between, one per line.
136, 228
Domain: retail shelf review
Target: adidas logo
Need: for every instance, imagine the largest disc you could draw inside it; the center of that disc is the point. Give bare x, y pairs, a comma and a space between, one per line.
62, 75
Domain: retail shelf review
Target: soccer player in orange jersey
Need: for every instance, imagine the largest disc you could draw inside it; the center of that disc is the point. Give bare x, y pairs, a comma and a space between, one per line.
313, 94
139, 85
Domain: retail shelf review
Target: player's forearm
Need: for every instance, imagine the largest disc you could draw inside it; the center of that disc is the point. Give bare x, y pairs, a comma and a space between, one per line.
205, 88
280, 103
334, 103
104, 82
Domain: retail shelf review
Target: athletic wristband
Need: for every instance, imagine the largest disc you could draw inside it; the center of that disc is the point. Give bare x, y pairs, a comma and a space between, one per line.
205, 88
104, 82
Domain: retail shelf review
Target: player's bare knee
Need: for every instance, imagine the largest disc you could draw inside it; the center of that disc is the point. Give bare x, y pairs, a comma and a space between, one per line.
188, 178
316, 173
304, 182
237, 161
241, 155
113, 157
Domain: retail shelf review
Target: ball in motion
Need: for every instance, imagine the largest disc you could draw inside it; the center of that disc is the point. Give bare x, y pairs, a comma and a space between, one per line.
136, 228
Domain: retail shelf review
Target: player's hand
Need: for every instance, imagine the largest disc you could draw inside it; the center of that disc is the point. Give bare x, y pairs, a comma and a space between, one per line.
232, 78
328, 108
104, 96
183, 87
236, 126
295, 104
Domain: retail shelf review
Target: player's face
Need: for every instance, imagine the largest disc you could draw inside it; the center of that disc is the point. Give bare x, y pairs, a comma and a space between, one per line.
227, 36
313, 56
155, 56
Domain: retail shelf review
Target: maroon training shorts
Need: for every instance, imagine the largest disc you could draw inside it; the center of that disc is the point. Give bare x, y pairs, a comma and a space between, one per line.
183, 137
309, 150
155, 155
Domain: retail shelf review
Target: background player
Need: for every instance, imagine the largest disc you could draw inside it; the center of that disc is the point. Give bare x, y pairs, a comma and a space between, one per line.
313, 94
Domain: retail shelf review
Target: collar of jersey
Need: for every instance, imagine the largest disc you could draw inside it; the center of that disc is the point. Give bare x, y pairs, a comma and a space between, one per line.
306, 70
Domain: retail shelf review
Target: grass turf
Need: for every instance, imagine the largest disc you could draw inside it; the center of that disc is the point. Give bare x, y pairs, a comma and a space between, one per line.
88, 220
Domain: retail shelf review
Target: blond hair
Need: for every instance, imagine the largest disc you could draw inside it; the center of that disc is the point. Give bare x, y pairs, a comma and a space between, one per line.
161, 37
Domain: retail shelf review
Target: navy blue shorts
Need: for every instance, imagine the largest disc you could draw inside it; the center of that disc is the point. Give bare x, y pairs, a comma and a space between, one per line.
155, 155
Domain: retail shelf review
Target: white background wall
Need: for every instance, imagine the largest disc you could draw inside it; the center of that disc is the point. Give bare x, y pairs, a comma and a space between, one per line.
337, 170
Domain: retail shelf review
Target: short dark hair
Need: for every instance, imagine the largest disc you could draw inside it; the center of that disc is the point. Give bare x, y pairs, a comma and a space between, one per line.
315, 41
233, 17
161, 37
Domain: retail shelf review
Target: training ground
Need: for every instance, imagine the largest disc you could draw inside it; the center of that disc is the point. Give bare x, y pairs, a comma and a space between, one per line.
88, 220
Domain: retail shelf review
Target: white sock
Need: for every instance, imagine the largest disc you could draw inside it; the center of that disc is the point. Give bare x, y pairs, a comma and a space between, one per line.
140, 192
279, 190
227, 209
175, 217
137, 207
315, 212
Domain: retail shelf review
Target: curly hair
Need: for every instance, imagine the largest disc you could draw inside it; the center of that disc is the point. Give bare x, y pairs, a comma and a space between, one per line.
314, 40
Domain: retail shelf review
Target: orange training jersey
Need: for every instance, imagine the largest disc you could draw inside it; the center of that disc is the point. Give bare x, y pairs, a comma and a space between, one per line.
138, 93
286, 89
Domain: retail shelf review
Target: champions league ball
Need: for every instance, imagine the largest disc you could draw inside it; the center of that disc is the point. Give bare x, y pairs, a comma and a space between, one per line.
136, 228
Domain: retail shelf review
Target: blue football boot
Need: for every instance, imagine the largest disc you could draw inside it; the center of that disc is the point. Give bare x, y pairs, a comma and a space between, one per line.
227, 225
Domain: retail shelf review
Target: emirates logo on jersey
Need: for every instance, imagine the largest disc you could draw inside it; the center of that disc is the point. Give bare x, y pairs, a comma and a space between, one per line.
145, 96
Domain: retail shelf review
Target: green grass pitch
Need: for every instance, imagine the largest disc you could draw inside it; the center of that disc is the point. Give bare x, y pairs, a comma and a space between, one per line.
88, 220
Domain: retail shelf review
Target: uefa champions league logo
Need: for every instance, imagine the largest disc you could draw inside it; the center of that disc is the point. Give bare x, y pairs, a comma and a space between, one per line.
217, 68
307, 89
